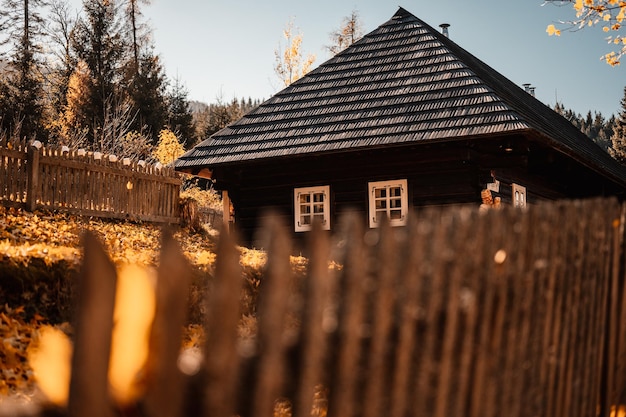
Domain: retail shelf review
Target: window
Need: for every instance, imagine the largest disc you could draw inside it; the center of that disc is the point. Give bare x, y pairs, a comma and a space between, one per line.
388, 199
519, 195
311, 203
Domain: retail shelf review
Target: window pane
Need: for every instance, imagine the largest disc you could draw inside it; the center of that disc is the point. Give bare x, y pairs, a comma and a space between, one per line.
318, 197
388, 199
305, 198
305, 220
318, 208
305, 209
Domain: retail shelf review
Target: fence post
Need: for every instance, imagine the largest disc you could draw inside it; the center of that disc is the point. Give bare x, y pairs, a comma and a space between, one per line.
33, 176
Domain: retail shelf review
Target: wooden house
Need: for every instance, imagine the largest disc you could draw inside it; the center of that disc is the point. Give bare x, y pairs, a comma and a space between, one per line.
403, 118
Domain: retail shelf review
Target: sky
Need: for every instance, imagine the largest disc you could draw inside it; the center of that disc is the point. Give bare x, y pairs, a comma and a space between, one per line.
224, 49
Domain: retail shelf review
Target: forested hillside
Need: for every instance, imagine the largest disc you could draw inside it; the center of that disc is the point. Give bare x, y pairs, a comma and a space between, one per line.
598, 128
92, 78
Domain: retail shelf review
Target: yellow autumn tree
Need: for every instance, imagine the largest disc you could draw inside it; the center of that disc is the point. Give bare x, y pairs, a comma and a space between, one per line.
607, 14
291, 64
169, 147
69, 127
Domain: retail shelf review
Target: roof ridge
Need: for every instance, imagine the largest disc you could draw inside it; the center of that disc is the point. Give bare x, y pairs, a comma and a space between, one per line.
376, 72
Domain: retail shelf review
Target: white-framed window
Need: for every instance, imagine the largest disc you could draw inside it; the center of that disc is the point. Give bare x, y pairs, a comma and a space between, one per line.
518, 195
388, 199
310, 204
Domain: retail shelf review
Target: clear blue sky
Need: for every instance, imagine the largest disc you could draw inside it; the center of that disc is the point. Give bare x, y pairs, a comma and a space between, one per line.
227, 47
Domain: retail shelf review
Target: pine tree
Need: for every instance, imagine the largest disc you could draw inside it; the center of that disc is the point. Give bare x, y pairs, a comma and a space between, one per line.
144, 79
139, 33
98, 40
147, 90
595, 126
180, 119
618, 139
24, 26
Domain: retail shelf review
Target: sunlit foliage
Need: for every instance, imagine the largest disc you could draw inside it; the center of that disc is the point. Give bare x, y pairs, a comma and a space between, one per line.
291, 64
607, 14
169, 148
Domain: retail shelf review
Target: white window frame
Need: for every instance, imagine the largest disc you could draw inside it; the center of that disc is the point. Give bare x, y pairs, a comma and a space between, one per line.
519, 196
388, 203
305, 211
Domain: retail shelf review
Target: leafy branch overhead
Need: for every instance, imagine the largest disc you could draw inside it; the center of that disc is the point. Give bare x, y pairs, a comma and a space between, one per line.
608, 14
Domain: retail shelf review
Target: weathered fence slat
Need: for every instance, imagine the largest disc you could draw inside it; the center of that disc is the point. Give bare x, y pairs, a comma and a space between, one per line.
222, 350
275, 332
353, 285
89, 394
507, 312
166, 394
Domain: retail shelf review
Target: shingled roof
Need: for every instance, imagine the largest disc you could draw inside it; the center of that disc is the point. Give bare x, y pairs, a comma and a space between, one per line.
403, 82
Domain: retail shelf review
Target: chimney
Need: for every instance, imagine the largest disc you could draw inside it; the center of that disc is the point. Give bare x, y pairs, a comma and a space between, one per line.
444, 29
529, 89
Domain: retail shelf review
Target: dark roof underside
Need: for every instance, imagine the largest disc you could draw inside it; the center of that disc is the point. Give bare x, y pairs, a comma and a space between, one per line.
403, 82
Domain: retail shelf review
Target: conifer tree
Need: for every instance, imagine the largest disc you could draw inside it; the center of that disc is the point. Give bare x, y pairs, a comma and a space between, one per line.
618, 139
180, 118
98, 40
144, 79
24, 26
147, 91
138, 31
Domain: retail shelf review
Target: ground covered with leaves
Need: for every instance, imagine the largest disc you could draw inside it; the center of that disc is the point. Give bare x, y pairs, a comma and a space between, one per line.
40, 254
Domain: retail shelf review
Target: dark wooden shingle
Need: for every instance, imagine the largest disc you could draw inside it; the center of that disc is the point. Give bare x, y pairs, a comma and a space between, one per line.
403, 82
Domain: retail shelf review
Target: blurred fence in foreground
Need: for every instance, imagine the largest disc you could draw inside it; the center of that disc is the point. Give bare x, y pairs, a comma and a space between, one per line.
509, 312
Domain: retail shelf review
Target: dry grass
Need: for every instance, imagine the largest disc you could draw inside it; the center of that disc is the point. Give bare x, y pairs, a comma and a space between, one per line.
40, 253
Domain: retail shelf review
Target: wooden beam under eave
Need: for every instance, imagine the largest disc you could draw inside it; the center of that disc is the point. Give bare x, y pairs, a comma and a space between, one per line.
205, 173
202, 173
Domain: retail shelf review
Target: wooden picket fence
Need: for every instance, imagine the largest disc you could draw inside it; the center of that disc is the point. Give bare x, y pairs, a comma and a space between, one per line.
461, 313
88, 184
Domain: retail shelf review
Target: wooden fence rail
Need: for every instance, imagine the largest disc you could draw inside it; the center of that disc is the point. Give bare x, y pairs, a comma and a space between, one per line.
88, 184
462, 313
